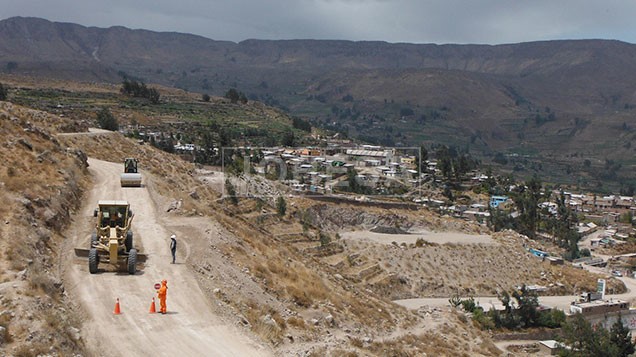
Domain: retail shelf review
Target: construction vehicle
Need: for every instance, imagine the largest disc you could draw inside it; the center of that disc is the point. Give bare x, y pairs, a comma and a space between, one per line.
112, 240
130, 177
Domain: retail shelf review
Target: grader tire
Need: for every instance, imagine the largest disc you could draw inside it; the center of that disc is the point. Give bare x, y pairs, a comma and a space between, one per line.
132, 261
93, 261
93, 239
129, 241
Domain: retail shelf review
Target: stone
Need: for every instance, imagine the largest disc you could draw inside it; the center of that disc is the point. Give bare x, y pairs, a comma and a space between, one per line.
74, 333
174, 205
330, 320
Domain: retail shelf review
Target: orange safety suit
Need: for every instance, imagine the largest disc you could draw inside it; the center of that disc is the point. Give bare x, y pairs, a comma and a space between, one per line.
161, 293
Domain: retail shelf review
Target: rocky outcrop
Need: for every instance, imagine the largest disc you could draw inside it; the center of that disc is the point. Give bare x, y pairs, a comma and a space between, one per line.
334, 218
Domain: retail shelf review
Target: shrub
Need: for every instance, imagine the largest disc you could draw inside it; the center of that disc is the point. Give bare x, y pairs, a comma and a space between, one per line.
281, 206
324, 239
235, 96
140, 90
552, 318
483, 320
106, 120
3, 92
469, 305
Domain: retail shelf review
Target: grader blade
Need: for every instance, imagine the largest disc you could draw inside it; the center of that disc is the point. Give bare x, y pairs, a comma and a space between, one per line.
83, 253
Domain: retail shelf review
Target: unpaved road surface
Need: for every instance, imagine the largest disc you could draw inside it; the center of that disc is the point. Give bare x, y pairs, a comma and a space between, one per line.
189, 328
487, 302
561, 302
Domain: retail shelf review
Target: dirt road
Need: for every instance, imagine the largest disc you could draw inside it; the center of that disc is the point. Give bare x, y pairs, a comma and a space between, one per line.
189, 328
488, 302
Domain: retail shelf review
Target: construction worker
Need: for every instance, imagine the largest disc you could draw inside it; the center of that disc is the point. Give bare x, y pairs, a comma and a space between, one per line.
162, 293
173, 247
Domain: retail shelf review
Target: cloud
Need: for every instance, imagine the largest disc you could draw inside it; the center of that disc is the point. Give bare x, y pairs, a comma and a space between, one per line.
416, 21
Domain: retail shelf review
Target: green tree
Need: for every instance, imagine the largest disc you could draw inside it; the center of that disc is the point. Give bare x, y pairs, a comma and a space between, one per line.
355, 185
500, 158
499, 219
134, 88
205, 97
506, 318
448, 193
153, 96
106, 120
301, 124
527, 302
288, 139
233, 95
553, 318
421, 157
564, 228
586, 340
527, 201
621, 337
3, 92
324, 239
281, 206
242, 98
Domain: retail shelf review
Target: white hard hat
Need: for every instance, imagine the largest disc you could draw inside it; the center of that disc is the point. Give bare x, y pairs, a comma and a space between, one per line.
173, 236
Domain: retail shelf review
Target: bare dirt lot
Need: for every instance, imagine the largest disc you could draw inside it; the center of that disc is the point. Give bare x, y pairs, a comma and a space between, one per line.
431, 237
189, 328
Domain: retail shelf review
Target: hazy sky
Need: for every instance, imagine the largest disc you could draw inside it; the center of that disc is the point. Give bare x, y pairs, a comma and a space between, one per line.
415, 21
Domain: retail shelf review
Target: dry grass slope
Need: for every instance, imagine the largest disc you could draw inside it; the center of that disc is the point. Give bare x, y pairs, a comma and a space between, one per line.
41, 182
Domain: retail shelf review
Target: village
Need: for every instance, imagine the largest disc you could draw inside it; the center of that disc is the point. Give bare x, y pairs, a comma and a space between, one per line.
384, 174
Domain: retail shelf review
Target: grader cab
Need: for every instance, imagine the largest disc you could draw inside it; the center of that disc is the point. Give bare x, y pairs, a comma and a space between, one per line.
112, 240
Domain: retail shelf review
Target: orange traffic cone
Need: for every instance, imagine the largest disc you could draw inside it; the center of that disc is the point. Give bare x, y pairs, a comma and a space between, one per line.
153, 308
117, 309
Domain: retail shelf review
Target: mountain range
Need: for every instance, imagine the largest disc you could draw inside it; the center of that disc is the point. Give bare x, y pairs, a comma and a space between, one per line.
567, 101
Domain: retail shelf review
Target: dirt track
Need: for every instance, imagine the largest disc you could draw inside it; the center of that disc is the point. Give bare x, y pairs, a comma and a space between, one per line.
189, 328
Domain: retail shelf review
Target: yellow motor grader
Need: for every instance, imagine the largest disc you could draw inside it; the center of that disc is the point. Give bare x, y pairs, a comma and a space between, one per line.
112, 240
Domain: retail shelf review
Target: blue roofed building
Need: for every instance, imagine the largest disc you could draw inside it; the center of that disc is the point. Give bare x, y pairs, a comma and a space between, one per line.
495, 201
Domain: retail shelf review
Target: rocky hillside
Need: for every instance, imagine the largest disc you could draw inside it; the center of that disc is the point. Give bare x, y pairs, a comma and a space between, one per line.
41, 182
